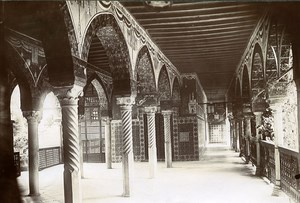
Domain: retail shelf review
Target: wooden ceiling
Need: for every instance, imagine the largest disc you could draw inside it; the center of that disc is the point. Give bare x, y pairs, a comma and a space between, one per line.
208, 38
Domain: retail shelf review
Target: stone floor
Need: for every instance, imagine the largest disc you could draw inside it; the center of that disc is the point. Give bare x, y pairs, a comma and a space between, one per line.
220, 177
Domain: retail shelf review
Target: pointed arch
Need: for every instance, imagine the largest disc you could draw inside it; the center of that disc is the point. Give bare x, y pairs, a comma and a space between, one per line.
16, 64
238, 93
95, 77
176, 90
145, 72
106, 29
164, 88
245, 84
257, 74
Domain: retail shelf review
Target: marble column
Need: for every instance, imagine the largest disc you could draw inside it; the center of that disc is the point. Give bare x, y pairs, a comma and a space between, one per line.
237, 132
233, 131
167, 133
152, 151
247, 137
81, 118
278, 132
33, 119
241, 136
125, 104
108, 158
258, 121
68, 99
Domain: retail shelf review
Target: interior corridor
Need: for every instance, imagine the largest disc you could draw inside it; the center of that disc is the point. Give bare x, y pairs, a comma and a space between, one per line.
220, 176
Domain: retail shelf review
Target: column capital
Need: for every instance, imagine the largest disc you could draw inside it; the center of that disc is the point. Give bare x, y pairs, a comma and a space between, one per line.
68, 95
125, 102
32, 116
258, 113
248, 115
166, 112
150, 109
106, 119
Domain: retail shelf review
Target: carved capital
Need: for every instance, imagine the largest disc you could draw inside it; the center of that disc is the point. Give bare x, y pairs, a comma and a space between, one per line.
257, 113
248, 115
125, 102
68, 95
166, 113
150, 109
33, 116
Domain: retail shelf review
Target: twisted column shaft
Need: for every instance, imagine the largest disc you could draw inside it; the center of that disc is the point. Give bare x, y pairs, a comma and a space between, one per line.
152, 151
72, 175
168, 142
33, 119
127, 154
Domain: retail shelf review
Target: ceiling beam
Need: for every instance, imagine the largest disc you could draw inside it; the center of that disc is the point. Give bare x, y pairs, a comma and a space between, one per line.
203, 48
198, 10
202, 45
187, 17
197, 27
183, 31
193, 39
201, 34
198, 21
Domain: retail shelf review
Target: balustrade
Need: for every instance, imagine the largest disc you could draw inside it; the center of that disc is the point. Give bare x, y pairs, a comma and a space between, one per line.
289, 168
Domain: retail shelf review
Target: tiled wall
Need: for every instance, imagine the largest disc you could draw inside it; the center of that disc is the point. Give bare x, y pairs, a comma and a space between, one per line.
188, 138
116, 140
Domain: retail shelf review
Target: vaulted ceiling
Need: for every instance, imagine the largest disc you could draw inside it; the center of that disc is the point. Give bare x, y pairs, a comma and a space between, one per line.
208, 38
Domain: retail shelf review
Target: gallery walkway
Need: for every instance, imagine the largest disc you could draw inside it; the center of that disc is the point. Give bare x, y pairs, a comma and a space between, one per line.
221, 176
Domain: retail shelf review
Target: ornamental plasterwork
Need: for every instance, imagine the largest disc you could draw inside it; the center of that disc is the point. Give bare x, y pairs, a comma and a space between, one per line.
290, 121
164, 89
83, 11
145, 77
194, 76
259, 37
257, 79
31, 53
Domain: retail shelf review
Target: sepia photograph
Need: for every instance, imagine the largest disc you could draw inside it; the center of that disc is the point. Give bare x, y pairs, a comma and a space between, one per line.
149, 101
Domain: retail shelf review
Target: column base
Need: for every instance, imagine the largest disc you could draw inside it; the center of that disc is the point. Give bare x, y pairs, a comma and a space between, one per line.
276, 191
125, 195
247, 159
258, 171
34, 194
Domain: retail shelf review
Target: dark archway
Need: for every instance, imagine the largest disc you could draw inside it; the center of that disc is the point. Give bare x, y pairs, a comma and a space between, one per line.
245, 85
257, 75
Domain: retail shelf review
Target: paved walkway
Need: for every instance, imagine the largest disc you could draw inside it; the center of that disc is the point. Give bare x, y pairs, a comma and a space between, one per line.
220, 177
